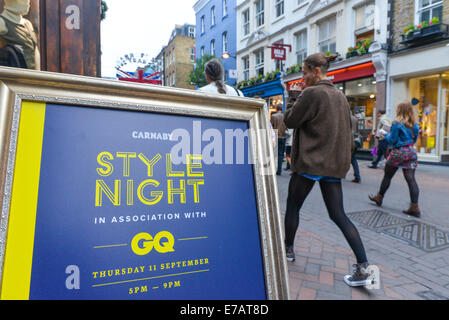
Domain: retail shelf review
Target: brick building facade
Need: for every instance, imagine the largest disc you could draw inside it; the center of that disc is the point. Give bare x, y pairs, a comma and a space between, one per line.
419, 70
179, 57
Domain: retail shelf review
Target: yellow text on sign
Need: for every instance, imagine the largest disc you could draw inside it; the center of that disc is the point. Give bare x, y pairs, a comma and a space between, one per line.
143, 243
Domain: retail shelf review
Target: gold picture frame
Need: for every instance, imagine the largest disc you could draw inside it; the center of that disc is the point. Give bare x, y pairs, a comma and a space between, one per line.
18, 85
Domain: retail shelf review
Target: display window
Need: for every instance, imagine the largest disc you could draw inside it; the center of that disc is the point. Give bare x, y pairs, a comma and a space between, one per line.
424, 97
273, 102
445, 111
361, 95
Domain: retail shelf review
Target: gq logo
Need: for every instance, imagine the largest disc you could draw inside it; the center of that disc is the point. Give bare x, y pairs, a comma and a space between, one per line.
143, 243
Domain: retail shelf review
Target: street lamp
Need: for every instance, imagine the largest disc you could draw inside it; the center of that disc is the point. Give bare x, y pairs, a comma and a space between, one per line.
227, 55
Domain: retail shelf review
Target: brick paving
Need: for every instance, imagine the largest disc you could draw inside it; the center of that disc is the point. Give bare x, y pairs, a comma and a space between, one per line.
323, 257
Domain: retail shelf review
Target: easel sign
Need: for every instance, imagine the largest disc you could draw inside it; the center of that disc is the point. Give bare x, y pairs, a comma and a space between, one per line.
114, 190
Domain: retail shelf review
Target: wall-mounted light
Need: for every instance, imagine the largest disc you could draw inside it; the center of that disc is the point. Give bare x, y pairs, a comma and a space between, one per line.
360, 84
372, 96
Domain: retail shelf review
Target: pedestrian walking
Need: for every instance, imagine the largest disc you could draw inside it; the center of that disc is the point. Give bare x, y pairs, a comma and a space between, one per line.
288, 148
277, 121
383, 127
321, 151
401, 140
214, 72
357, 144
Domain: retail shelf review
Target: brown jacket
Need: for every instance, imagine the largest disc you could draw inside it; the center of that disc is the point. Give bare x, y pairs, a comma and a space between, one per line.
322, 140
277, 121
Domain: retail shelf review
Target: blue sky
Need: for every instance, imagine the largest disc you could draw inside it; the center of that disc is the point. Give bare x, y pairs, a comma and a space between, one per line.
140, 26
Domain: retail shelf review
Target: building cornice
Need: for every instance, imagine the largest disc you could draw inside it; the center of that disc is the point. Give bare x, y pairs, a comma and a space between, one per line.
200, 5
242, 4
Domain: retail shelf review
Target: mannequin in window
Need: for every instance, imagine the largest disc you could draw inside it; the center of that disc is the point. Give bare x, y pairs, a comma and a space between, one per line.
18, 32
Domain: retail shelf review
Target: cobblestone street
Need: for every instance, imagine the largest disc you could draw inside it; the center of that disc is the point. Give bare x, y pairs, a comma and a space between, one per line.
412, 254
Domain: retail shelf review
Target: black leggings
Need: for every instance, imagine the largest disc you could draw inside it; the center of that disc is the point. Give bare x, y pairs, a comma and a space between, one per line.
298, 190
409, 175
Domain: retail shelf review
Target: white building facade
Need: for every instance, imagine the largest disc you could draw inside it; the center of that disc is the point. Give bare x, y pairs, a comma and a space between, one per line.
310, 26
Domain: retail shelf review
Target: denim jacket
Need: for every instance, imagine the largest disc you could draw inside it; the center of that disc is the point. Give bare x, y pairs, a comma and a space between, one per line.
400, 135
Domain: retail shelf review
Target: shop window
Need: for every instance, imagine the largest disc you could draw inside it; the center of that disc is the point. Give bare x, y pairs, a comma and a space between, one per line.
428, 9
326, 35
445, 112
424, 96
361, 95
273, 102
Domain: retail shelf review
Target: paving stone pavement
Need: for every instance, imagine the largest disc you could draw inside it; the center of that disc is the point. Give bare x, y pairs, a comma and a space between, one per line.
407, 271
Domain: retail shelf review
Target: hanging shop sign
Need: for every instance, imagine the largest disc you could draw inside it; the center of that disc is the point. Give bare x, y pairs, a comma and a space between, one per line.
118, 190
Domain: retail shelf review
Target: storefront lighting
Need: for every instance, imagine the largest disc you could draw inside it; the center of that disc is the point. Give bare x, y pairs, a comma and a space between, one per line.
341, 88
372, 96
360, 84
374, 82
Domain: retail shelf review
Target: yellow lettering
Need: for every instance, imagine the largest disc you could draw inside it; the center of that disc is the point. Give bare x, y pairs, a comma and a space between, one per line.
196, 192
157, 195
191, 165
109, 168
101, 188
150, 163
126, 156
169, 168
181, 191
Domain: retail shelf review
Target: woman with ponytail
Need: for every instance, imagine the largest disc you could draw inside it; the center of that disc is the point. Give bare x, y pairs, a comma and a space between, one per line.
321, 151
214, 71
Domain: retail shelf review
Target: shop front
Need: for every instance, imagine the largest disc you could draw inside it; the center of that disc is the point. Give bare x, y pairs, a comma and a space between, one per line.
359, 84
426, 84
272, 92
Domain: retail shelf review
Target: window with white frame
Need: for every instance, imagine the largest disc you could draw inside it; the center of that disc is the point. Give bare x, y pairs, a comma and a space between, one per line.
203, 27
364, 16
301, 46
225, 42
259, 62
212, 16
192, 32
245, 19
225, 8
245, 67
212, 47
428, 9
326, 35
279, 8
260, 17
192, 54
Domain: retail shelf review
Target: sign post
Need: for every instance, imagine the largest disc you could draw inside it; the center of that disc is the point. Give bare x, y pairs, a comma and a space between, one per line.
117, 190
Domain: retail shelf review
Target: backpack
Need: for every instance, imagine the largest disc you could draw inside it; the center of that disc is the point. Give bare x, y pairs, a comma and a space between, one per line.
10, 56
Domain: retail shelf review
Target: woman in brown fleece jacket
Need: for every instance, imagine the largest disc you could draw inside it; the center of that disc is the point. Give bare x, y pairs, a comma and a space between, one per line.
321, 151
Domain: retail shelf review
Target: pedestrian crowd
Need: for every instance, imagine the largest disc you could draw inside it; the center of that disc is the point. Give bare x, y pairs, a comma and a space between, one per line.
320, 137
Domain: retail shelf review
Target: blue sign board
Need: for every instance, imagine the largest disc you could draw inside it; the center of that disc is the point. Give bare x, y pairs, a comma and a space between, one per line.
118, 218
